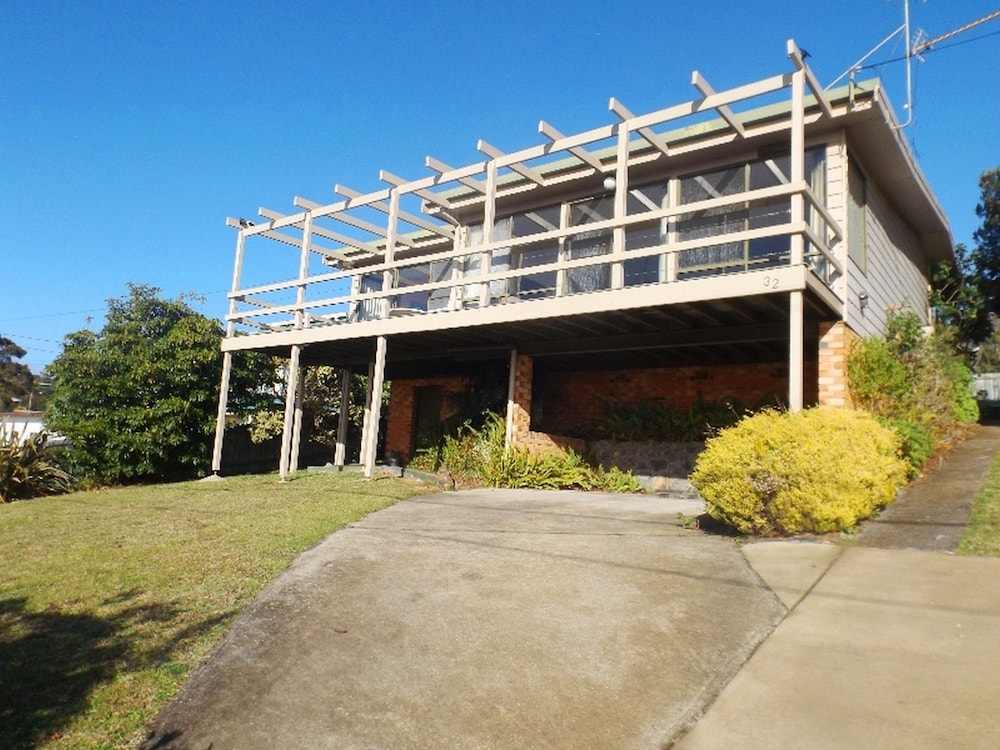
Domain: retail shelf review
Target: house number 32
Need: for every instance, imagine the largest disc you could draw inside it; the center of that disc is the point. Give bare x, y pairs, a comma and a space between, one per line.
771, 282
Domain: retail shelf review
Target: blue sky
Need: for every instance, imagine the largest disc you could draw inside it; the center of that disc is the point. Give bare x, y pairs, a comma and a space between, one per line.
129, 131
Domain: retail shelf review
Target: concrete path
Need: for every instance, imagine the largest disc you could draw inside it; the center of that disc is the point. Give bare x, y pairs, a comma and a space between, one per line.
484, 619
502, 619
891, 648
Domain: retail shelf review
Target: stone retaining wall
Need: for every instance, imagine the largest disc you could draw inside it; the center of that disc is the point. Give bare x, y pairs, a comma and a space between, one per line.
662, 467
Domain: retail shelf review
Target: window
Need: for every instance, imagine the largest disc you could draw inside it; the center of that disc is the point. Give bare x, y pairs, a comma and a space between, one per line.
546, 251
369, 309
412, 276
589, 244
712, 222
772, 212
857, 216
645, 234
499, 262
759, 214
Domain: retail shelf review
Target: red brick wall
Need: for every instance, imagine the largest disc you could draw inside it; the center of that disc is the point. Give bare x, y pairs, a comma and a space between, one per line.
834, 343
399, 427
573, 399
523, 373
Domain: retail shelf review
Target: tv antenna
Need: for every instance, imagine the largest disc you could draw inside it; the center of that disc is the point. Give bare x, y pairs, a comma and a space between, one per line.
915, 47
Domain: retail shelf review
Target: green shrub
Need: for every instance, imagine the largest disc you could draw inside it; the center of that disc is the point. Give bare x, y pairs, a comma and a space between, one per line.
916, 445
818, 470
28, 468
650, 419
915, 383
478, 457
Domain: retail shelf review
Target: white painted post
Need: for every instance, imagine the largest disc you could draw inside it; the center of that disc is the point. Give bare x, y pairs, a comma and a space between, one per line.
796, 324
300, 293
375, 411
340, 454
367, 419
227, 360
796, 332
292, 382
489, 219
389, 274
798, 165
562, 253
620, 209
297, 423
220, 417
673, 199
508, 439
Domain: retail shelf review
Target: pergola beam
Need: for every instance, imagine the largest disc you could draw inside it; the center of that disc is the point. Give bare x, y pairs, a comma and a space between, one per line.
623, 113
706, 90
327, 252
357, 223
427, 195
446, 173
328, 233
799, 58
417, 221
579, 152
494, 153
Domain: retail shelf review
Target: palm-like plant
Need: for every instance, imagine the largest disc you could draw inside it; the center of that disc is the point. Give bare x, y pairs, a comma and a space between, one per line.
28, 468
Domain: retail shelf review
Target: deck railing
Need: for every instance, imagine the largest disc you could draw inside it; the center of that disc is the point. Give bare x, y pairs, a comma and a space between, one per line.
455, 279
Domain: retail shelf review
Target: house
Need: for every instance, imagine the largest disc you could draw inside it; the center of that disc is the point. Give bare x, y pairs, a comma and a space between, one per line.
732, 244
24, 425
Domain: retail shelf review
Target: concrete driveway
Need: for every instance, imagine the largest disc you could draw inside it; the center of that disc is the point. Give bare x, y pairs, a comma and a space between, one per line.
485, 619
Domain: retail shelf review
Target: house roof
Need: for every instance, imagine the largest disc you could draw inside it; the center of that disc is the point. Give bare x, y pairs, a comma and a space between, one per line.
879, 142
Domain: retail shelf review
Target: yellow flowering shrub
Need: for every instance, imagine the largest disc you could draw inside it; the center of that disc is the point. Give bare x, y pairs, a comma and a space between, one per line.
817, 470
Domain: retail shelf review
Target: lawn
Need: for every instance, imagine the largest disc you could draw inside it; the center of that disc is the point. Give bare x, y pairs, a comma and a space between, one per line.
109, 598
982, 535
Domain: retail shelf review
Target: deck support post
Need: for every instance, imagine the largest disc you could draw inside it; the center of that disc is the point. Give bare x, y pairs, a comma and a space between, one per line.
291, 389
370, 441
796, 331
293, 461
220, 417
508, 439
796, 324
340, 454
227, 359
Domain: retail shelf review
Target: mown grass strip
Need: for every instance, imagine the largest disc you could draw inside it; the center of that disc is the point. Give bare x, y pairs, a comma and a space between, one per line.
982, 535
109, 598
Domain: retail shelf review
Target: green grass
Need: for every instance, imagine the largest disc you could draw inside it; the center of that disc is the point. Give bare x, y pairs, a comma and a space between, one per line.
982, 535
109, 598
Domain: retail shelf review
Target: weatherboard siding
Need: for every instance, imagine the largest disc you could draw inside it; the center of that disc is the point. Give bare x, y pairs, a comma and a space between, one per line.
894, 276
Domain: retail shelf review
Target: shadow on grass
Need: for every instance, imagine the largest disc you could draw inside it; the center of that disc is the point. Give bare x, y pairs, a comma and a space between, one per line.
51, 661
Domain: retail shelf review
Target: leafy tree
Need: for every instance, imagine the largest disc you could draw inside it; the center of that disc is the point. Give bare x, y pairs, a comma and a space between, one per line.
320, 406
987, 238
16, 380
138, 399
966, 295
959, 301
